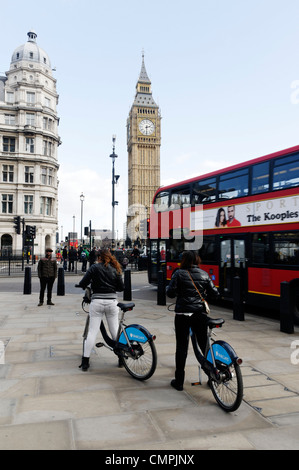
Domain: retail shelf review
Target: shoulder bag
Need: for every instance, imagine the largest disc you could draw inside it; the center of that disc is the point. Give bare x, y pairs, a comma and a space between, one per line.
206, 305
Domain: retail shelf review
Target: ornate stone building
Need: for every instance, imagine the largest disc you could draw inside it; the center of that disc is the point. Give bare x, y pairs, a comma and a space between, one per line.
28, 150
143, 144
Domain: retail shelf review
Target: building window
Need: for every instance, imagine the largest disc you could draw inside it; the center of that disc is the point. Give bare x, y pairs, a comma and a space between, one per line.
29, 144
44, 175
47, 102
30, 97
47, 176
7, 203
30, 119
10, 119
9, 144
47, 148
47, 123
29, 174
46, 206
7, 173
10, 97
28, 204
50, 176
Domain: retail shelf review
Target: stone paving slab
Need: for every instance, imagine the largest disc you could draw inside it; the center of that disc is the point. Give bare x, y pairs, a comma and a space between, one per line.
47, 402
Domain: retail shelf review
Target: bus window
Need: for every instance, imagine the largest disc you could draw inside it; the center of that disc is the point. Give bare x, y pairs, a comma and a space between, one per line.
260, 178
260, 248
204, 191
286, 172
180, 197
208, 251
161, 202
234, 184
176, 248
286, 248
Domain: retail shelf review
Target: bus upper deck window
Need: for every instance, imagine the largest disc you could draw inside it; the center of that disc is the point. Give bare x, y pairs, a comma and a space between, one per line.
260, 178
204, 191
161, 202
286, 172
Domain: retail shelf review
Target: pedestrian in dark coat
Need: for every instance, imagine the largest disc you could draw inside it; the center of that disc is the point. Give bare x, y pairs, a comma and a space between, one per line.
47, 273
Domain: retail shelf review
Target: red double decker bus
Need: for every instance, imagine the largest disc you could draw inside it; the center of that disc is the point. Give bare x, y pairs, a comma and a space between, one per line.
244, 220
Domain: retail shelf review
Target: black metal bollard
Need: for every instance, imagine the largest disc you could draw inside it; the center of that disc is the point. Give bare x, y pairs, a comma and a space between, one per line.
60, 282
238, 307
286, 310
127, 281
27, 281
161, 295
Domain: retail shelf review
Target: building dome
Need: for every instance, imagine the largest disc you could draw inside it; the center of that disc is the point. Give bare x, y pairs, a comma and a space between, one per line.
31, 51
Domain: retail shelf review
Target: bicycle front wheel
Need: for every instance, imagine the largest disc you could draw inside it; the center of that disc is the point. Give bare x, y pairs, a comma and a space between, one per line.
228, 391
143, 363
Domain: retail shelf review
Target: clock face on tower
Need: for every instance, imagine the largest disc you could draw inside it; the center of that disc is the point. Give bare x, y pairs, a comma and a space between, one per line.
146, 127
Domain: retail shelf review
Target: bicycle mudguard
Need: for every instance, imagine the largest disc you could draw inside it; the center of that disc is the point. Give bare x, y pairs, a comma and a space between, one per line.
135, 333
223, 352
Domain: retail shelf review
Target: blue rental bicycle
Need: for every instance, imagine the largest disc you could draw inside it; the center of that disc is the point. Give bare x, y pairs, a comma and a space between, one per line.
225, 379
134, 344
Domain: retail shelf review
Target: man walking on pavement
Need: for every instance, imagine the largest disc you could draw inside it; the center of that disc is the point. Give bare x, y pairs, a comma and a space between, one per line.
47, 273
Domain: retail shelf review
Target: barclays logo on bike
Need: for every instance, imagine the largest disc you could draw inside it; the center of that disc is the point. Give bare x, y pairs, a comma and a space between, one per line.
220, 355
137, 337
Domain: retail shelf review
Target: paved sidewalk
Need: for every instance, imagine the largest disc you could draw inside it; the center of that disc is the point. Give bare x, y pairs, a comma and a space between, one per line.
48, 403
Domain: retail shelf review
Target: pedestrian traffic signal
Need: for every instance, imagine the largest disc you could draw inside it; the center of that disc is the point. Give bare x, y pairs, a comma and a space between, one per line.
17, 226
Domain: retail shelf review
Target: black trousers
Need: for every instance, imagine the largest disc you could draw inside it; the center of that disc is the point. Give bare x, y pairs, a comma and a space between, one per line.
182, 323
46, 282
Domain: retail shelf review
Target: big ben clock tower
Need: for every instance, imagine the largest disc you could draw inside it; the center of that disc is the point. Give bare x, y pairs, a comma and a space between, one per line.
143, 143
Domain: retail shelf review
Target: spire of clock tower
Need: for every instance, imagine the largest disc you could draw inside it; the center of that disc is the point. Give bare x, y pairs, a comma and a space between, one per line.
143, 88
143, 77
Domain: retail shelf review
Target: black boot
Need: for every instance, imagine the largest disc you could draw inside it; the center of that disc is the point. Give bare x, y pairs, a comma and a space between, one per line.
84, 364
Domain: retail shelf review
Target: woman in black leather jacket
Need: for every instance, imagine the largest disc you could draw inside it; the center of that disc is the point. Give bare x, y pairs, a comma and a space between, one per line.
105, 278
190, 310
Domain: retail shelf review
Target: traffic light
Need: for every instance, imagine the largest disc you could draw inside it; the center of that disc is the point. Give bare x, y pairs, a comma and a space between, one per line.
30, 231
147, 228
17, 226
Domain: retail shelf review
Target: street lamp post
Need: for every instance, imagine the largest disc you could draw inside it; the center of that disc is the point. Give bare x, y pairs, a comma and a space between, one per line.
82, 200
114, 181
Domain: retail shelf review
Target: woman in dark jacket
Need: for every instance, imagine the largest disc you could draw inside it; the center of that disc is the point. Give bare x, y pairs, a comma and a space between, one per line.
105, 278
190, 310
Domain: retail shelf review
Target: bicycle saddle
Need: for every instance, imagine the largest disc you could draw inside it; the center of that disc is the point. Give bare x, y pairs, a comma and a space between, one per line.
126, 307
215, 322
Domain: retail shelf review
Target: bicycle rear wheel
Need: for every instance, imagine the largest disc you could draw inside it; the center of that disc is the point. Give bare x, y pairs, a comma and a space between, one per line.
144, 363
228, 391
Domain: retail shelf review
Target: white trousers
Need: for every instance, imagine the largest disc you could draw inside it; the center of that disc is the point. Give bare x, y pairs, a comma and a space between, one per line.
98, 308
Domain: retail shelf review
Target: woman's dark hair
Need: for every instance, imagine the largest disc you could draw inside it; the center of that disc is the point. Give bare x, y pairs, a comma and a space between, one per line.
189, 259
217, 221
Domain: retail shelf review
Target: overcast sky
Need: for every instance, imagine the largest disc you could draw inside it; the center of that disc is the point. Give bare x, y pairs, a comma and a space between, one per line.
224, 73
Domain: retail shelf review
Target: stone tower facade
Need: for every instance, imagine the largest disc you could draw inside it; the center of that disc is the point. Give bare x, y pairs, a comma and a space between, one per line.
28, 151
143, 144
